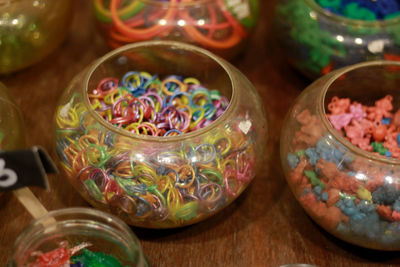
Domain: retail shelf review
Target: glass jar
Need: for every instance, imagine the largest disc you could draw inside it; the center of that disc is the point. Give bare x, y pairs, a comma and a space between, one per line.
221, 26
12, 134
30, 30
316, 41
80, 231
161, 181
350, 192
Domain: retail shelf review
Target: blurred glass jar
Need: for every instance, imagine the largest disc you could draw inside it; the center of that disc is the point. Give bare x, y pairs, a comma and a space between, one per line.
153, 181
71, 229
12, 134
221, 26
348, 191
30, 30
316, 41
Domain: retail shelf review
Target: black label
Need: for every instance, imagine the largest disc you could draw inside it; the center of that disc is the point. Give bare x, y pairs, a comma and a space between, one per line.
21, 168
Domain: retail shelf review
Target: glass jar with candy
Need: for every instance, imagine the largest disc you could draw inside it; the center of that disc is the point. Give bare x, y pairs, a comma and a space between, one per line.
221, 26
340, 151
77, 237
30, 30
161, 133
318, 36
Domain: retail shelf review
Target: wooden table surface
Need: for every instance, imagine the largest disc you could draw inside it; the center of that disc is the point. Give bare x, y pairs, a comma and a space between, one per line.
265, 226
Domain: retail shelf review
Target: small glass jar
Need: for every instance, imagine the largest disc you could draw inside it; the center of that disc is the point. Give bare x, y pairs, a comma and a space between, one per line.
221, 26
316, 41
161, 181
348, 191
76, 229
30, 30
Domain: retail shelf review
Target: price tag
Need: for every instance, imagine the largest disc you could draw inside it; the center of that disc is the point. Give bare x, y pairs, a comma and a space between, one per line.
21, 168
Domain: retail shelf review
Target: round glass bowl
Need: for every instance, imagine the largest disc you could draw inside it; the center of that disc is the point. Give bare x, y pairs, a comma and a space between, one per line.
316, 41
350, 192
80, 234
30, 30
221, 26
153, 181
12, 134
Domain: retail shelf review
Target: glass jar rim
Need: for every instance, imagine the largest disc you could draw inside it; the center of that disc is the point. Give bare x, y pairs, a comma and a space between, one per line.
182, 46
352, 22
322, 112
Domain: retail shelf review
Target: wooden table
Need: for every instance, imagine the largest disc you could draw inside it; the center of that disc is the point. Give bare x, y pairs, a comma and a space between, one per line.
265, 226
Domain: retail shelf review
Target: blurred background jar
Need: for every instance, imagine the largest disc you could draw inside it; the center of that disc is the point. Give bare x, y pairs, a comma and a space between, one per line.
316, 38
221, 26
30, 30
12, 134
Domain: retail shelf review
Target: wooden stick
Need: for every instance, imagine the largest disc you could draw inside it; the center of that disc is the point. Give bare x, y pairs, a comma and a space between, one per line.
30, 202
33, 206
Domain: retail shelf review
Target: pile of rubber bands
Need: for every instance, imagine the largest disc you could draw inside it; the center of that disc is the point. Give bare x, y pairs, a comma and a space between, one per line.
142, 103
220, 24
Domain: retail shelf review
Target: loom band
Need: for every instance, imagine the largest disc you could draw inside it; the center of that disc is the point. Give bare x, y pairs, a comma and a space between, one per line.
61, 144
234, 39
197, 118
93, 190
215, 94
145, 126
179, 94
127, 185
106, 85
213, 175
156, 98
71, 120
104, 15
199, 91
187, 212
232, 20
143, 168
154, 190
123, 171
210, 111
123, 203
97, 159
191, 80
85, 140
172, 81
111, 96
185, 121
154, 86
222, 145
205, 153
160, 211
229, 179
112, 188
99, 177
174, 198
144, 207
171, 133
213, 197
117, 106
182, 181
132, 80
147, 33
